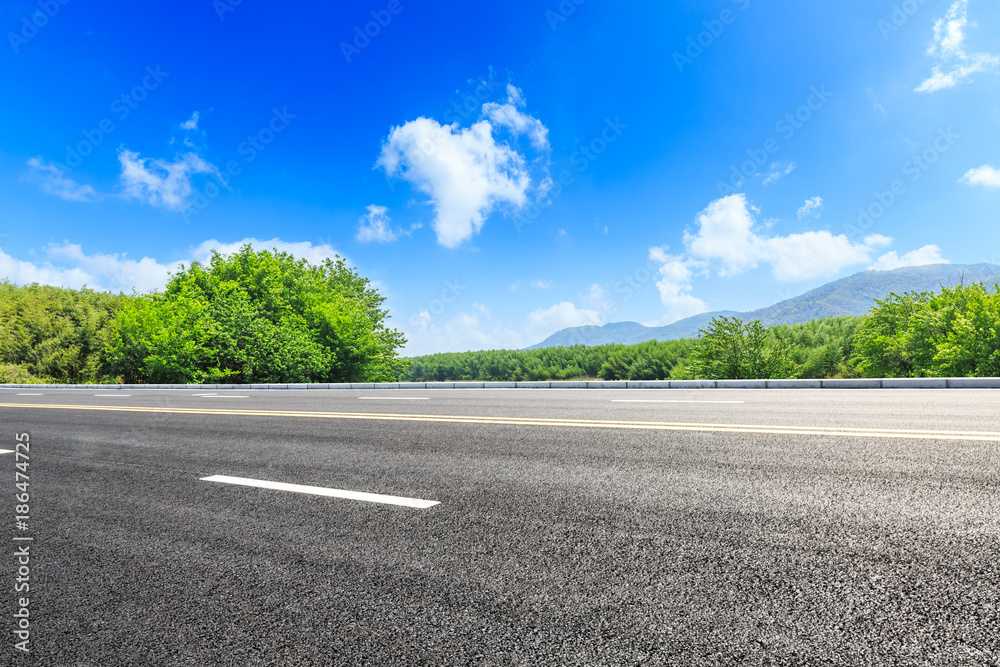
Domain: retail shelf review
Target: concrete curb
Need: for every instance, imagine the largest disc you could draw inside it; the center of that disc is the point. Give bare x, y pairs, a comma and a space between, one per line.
860, 383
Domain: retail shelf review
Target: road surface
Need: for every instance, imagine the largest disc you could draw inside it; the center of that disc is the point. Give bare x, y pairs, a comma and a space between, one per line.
506, 527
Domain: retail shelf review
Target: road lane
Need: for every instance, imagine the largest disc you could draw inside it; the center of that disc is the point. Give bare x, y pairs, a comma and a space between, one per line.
551, 545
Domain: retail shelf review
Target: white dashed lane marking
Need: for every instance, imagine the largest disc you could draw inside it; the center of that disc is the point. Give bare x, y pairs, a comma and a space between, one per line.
324, 491
622, 400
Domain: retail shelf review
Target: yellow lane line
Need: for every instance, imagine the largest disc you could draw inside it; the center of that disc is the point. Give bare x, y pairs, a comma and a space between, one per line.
530, 421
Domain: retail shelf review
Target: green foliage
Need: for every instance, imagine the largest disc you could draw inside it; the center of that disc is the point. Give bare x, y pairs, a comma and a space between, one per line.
955, 333
267, 317
734, 350
54, 334
257, 317
821, 348
14, 374
652, 360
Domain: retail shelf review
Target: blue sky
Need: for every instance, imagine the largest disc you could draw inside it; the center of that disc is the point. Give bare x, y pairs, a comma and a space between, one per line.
507, 169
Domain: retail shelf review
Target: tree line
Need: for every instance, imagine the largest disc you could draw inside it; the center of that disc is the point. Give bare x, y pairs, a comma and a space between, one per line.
954, 332
268, 317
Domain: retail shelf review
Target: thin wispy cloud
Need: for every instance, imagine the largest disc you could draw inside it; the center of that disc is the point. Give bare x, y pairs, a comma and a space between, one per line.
376, 226
54, 181
162, 183
811, 208
191, 123
778, 171
954, 64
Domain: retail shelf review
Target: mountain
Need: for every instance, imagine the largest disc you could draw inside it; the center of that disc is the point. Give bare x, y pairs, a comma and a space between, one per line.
853, 295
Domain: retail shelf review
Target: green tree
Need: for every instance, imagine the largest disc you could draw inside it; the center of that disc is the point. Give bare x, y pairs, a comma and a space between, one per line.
258, 317
55, 334
730, 349
953, 332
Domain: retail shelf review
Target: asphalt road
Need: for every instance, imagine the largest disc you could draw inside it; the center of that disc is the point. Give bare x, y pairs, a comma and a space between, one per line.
739, 527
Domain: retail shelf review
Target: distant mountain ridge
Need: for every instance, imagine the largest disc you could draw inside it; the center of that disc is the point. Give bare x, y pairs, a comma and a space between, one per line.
853, 295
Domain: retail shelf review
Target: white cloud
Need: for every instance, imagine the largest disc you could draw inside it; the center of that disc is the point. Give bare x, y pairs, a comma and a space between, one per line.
507, 115
929, 254
67, 265
54, 181
987, 176
467, 173
778, 170
727, 234
376, 226
314, 254
675, 287
541, 284
542, 323
114, 271
811, 207
464, 332
191, 123
162, 183
954, 64
477, 330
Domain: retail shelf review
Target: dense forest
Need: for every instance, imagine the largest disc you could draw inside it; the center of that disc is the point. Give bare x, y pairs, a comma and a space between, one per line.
728, 348
267, 317
954, 332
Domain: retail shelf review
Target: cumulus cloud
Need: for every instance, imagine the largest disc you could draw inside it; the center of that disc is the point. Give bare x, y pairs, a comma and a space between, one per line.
929, 254
954, 63
675, 286
314, 254
467, 173
728, 236
161, 183
54, 181
541, 284
811, 207
986, 176
67, 265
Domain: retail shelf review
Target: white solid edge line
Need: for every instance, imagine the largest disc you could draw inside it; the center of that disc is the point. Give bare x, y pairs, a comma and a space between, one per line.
323, 491
623, 400
6, 451
394, 398
112, 395
31, 394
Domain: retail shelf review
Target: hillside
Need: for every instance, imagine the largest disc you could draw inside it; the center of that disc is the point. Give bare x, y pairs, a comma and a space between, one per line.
853, 295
